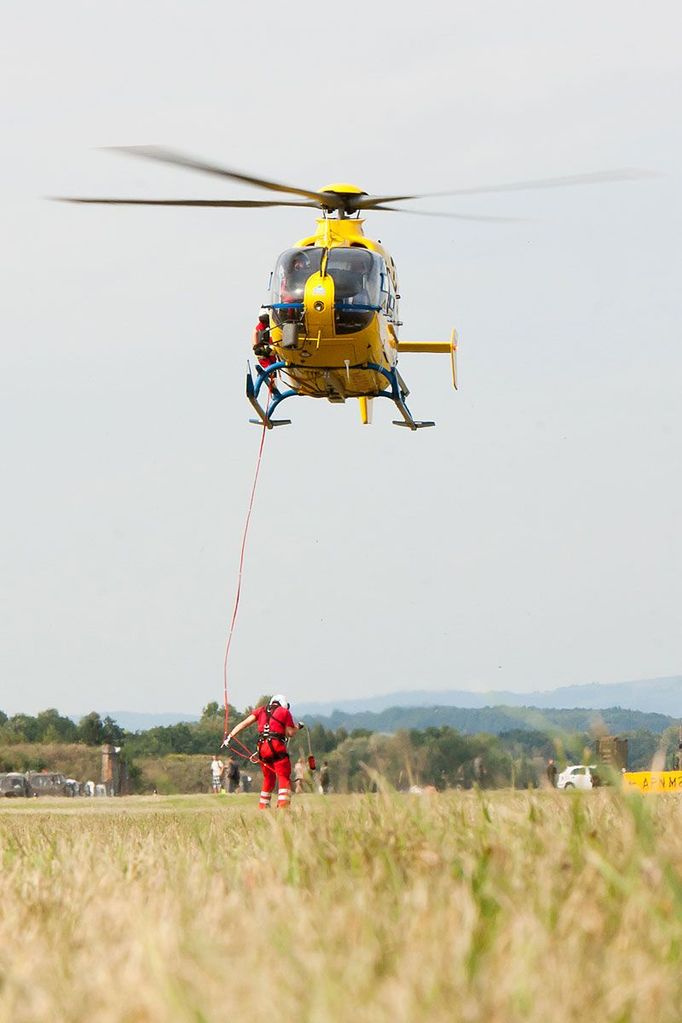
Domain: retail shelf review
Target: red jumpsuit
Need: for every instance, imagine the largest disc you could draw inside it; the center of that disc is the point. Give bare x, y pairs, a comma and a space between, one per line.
273, 754
259, 330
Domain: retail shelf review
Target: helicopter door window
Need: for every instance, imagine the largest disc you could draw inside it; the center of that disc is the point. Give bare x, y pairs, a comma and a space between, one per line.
287, 289
389, 299
386, 292
357, 287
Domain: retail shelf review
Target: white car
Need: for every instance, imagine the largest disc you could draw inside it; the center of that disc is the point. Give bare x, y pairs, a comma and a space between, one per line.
579, 776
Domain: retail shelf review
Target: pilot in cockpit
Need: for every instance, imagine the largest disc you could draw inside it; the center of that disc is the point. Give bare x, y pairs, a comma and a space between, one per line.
295, 276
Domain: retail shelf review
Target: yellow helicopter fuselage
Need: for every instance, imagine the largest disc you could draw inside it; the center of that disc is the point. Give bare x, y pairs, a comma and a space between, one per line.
329, 355
333, 321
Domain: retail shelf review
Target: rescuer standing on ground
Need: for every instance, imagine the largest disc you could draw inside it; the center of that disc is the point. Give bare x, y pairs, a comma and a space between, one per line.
275, 726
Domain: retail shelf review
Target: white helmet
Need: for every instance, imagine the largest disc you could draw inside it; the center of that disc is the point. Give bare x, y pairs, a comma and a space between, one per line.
280, 699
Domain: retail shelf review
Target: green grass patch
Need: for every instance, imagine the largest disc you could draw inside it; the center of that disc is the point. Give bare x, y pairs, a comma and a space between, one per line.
503, 907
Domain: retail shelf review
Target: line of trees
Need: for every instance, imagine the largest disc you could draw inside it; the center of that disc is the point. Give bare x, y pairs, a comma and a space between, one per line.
440, 756
49, 726
446, 758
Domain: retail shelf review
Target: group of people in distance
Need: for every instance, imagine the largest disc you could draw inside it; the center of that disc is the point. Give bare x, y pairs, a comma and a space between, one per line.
225, 773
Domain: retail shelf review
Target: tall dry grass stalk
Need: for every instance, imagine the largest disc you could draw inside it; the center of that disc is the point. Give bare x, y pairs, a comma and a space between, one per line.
500, 908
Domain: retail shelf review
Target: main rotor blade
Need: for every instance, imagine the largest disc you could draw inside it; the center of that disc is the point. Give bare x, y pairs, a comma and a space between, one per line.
592, 178
453, 216
180, 160
183, 202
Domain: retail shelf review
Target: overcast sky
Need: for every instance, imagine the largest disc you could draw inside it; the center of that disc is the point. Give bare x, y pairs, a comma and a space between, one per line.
531, 540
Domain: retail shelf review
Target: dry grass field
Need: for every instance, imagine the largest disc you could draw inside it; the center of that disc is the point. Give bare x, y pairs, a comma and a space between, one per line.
508, 907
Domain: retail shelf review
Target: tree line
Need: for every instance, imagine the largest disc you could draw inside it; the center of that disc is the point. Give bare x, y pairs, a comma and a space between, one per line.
49, 726
441, 756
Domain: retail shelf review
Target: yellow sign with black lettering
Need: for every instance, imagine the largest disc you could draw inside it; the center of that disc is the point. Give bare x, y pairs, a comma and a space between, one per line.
653, 781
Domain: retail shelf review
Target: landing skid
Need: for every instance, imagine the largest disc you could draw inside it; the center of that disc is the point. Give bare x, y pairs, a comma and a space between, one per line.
397, 394
265, 377
412, 424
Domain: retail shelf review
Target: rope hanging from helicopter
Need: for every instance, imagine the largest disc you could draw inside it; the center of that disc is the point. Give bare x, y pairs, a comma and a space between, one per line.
236, 745
235, 608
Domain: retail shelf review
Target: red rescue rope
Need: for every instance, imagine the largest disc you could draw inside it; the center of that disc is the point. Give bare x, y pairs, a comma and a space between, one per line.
245, 752
239, 580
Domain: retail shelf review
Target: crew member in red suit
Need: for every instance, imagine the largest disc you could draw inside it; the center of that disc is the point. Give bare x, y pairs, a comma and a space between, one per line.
262, 348
261, 341
275, 726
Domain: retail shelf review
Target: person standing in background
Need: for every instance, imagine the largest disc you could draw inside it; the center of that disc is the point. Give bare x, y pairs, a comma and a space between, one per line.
299, 774
233, 775
217, 768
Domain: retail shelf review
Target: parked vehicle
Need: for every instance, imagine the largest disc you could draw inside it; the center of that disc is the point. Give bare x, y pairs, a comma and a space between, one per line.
14, 784
48, 783
579, 776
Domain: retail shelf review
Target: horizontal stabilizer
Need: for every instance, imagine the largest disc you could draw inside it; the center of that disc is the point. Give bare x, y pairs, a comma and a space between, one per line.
424, 346
442, 347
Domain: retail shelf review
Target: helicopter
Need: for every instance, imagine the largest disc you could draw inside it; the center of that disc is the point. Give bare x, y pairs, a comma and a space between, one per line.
332, 317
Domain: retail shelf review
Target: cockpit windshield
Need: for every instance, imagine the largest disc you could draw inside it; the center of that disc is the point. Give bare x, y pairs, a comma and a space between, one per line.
293, 269
356, 273
357, 280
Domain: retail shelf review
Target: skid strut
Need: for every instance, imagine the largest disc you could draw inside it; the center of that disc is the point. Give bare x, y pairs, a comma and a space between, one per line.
266, 376
397, 394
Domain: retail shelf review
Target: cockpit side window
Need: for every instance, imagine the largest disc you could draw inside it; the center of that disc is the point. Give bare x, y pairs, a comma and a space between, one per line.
387, 292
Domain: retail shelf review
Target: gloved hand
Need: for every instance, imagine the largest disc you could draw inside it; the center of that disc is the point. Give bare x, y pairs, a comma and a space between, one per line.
226, 741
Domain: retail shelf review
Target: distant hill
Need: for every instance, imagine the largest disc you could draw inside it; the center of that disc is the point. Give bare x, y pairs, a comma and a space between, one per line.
496, 720
658, 695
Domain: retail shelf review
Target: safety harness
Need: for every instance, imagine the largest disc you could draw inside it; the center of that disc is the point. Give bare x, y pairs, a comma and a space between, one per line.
269, 736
